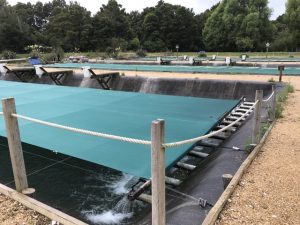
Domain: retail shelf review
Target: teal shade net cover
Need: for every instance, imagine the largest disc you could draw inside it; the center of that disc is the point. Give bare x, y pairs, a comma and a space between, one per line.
112, 112
292, 71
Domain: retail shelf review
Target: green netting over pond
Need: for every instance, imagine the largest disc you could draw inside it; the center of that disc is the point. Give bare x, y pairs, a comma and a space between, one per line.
183, 69
113, 112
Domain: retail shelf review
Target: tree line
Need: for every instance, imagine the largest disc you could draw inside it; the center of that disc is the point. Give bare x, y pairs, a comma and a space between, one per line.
231, 25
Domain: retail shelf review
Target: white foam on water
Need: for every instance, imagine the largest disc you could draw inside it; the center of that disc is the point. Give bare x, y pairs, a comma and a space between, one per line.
108, 217
120, 186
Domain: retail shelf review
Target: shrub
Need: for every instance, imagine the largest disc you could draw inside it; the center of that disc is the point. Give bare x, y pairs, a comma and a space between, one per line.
8, 54
271, 80
49, 58
202, 54
59, 53
134, 44
111, 52
281, 99
247, 56
35, 54
141, 53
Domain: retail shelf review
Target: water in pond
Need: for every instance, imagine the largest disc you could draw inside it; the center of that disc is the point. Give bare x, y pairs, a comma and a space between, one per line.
92, 193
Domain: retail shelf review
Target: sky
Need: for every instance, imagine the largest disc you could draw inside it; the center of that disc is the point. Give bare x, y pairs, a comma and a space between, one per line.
278, 6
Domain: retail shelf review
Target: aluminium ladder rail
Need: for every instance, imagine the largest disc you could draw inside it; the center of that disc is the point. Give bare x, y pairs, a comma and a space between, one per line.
201, 150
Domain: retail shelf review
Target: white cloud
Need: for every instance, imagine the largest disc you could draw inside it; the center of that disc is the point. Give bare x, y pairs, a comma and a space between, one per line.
198, 6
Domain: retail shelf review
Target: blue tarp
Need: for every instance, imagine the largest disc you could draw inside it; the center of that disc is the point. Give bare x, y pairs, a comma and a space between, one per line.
113, 112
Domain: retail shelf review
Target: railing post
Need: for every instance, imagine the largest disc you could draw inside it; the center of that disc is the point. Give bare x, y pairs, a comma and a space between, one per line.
158, 173
14, 144
273, 104
257, 117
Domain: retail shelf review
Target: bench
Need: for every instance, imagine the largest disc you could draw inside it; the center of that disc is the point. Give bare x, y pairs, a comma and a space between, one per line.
102, 78
23, 73
56, 74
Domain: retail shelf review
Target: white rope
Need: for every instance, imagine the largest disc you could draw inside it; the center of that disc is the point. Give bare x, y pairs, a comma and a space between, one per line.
82, 131
132, 140
1, 113
268, 99
193, 140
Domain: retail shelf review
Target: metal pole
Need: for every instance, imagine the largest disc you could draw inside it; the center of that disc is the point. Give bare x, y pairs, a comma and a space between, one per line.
14, 143
158, 173
257, 117
273, 109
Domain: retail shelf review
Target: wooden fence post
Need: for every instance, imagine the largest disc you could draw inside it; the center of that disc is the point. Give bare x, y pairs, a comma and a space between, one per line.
273, 104
257, 117
14, 144
158, 173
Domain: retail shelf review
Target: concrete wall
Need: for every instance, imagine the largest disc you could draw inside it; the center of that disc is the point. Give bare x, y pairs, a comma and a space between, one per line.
221, 89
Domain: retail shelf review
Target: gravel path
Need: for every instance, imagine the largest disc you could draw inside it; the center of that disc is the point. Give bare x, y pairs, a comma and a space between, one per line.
269, 192
14, 213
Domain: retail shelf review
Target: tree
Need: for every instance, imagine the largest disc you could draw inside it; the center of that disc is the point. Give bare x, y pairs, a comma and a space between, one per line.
14, 33
70, 27
165, 25
110, 22
292, 18
239, 25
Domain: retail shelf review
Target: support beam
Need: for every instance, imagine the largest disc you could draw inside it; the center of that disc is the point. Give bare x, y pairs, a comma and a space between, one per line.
257, 117
158, 173
145, 198
14, 143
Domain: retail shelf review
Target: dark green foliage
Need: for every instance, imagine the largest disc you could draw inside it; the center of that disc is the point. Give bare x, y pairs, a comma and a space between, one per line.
238, 25
202, 55
141, 53
283, 96
231, 25
8, 54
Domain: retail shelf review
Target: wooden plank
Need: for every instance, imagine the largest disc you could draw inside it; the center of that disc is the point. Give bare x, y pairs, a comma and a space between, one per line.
14, 143
40, 207
158, 173
57, 70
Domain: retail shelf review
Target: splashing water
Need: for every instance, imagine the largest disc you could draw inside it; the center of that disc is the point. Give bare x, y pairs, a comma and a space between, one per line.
109, 217
122, 186
124, 206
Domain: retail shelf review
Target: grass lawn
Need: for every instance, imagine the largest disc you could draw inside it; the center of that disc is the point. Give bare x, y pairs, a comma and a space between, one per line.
209, 54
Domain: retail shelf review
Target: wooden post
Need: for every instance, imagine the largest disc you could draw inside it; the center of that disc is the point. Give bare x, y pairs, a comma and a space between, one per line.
281, 69
226, 179
273, 104
257, 117
14, 144
158, 173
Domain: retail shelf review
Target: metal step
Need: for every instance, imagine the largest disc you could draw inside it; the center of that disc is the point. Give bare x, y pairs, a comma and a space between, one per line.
232, 129
243, 110
211, 142
198, 154
221, 136
245, 107
249, 103
198, 148
226, 122
172, 181
186, 166
239, 114
234, 118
